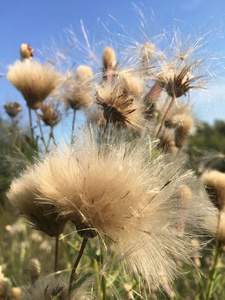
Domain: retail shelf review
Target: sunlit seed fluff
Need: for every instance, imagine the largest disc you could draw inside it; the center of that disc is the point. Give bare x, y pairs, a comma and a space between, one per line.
26, 52
35, 81
77, 92
119, 105
126, 195
214, 182
12, 109
24, 195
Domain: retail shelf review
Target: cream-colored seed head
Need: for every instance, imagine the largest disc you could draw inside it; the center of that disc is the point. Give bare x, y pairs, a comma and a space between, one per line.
98, 191
34, 80
77, 92
25, 196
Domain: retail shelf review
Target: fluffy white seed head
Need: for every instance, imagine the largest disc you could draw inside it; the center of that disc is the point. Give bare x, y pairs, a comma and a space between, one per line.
126, 195
77, 92
34, 80
24, 195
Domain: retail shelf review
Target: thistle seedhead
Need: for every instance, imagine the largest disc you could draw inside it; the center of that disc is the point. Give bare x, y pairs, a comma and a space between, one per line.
51, 116
120, 105
34, 80
12, 109
26, 52
99, 192
214, 182
177, 81
25, 196
77, 93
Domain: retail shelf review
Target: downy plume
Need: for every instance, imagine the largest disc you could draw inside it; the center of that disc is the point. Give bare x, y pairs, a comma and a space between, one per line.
130, 197
34, 80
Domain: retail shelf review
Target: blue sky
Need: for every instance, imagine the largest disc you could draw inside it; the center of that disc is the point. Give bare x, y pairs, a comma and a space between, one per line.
39, 22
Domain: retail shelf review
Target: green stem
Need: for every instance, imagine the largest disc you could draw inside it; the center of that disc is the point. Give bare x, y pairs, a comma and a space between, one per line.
103, 281
41, 131
76, 263
164, 117
56, 252
73, 125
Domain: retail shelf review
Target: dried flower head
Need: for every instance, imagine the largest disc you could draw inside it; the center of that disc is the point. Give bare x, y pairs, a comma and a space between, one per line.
214, 182
34, 80
177, 81
24, 195
51, 116
119, 104
12, 108
126, 195
26, 52
77, 92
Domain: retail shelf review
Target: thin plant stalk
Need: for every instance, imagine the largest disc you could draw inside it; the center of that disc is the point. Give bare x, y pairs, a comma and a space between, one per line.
41, 131
164, 117
73, 125
31, 124
56, 253
212, 275
103, 281
84, 242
